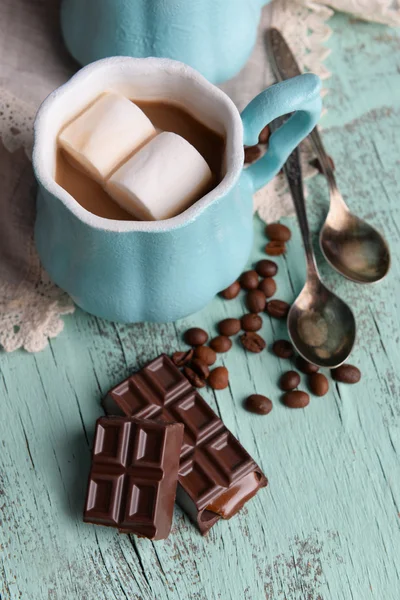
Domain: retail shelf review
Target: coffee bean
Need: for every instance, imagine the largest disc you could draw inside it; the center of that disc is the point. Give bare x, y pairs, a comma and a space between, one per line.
275, 248
249, 280
252, 342
251, 154
267, 286
266, 268
289, 381
277, 309
346, 374
229, 327
193, 378
278, 233
283, 349
264, 135
256, 403
319, 384
195, 336
219, 378
232, 291
255, 301
251, 322
200, 367
306, 367
205, 354
182, 358
296, 399
221, 343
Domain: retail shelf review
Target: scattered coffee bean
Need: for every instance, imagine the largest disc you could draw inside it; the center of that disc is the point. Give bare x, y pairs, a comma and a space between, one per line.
275, 248
317, 165
276, 232
249, 280
264, 135
251, 322
346, 374
256, 403
255, 301
266, 268
195, 336
205, 354
252, 342
267, 286
229, 327
181, 359
251, 154
193, 378
200, 367
296, 399
283, 349
219, 378
319, 384
277, 309
221, 343
289, 381
306, 367
232, 291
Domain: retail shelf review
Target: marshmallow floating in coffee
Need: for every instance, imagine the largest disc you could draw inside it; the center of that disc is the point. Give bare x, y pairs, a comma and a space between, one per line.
105, 134
162, 179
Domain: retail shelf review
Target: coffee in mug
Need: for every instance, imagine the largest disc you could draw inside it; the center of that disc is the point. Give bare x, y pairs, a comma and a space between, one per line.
161, 270
87, 188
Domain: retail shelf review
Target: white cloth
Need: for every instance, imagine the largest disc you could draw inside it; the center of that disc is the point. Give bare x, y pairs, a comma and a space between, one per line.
381, 11
33, 62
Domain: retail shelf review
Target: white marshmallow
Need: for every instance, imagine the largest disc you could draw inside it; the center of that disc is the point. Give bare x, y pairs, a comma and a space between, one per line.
162, 179
105, 134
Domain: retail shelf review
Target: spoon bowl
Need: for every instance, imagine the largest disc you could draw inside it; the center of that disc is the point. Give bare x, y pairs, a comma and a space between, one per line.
321, 326
350, 245
354, 248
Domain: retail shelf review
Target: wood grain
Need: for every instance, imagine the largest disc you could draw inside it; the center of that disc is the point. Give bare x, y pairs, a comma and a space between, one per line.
328, 525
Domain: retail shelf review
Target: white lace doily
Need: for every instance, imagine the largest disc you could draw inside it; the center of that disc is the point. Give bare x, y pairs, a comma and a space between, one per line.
31, 306
380, 11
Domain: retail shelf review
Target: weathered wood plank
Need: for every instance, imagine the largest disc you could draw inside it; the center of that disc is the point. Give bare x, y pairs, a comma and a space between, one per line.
328, 526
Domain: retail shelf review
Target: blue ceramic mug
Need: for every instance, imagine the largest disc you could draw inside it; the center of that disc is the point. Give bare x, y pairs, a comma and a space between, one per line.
215, 37
135, 271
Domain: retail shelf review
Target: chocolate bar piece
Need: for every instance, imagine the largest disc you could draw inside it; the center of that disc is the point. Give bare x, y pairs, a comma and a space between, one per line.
132, 483
216, 474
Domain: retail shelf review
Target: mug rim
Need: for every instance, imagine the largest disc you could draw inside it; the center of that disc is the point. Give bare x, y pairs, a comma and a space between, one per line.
234, 159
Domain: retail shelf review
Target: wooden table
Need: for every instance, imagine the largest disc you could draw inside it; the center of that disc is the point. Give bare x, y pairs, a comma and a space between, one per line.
328, 525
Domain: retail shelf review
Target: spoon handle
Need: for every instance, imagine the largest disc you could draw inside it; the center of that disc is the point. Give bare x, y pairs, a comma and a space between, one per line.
284, 66
323, 158
292, 170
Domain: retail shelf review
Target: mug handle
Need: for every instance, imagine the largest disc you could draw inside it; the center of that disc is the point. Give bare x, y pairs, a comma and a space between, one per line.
300, 95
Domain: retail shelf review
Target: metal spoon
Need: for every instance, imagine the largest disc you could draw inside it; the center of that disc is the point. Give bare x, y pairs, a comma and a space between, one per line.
350, 245
321, 326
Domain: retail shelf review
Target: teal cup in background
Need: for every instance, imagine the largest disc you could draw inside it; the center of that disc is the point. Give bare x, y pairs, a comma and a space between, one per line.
215, 37
134, 271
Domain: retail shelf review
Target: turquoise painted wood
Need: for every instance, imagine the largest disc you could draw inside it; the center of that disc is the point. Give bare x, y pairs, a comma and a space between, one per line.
328, 525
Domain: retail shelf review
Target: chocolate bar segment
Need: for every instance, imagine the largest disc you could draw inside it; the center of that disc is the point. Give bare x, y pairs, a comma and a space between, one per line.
133, 479
216, 474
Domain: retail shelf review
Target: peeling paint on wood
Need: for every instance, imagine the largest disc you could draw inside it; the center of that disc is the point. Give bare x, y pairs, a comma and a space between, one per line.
328, 525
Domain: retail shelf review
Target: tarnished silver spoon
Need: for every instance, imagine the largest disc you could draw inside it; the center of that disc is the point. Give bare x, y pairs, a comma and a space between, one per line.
350, 245
321, 326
